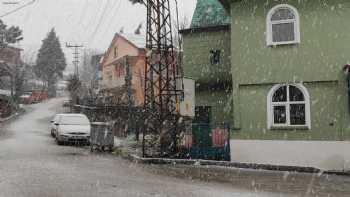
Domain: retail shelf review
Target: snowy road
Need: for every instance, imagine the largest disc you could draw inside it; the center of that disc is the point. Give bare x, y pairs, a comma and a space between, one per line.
32, 165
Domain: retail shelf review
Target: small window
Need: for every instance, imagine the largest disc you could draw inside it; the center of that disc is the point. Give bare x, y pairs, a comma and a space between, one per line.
115, 52
282, 25
288, 107
215, 57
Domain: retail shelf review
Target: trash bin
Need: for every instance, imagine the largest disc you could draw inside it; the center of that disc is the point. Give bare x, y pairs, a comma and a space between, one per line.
102, 137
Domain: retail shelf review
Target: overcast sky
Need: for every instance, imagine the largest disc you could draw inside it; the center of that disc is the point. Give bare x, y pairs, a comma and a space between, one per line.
88, 22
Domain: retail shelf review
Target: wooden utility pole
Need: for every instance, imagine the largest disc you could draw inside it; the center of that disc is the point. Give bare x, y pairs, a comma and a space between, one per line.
76, 56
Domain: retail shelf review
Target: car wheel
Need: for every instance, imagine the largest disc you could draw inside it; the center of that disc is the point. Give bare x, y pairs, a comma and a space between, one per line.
52, 133
59, 142
110, 148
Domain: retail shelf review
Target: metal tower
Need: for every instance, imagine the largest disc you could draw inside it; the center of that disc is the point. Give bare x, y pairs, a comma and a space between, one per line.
161, 73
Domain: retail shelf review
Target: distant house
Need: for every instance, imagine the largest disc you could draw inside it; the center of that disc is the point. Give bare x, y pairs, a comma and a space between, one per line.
206, 59
9, 58
124, 58
11, 55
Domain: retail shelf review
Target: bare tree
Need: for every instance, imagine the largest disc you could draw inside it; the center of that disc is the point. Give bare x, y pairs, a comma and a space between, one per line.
179, 25
138, 29
121, 30
89, 67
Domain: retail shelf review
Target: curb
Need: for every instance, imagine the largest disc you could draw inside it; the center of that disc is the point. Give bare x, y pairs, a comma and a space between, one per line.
228, 167
13, 116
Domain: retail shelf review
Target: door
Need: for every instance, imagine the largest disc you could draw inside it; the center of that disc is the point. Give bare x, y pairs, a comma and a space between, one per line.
201, 127
202, 115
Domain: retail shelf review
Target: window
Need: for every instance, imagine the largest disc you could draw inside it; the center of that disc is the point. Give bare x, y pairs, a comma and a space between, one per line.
215, 57
282, 25
288, 107
116, 51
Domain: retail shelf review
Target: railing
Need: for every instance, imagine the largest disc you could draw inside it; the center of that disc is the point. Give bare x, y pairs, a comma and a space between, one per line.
206, 141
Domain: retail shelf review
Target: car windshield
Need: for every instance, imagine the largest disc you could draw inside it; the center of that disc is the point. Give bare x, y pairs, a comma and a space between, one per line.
74, 120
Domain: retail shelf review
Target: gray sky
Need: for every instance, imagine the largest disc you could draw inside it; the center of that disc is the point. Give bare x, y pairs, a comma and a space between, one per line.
88, 22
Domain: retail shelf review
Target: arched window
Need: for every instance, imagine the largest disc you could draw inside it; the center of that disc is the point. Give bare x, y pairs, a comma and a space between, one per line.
282, 25
288, 106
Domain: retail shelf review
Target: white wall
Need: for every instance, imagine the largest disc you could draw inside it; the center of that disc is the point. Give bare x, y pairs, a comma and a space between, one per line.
324, 155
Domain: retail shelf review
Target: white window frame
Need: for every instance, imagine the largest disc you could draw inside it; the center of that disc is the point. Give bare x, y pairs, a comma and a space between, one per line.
271, 105
269, 23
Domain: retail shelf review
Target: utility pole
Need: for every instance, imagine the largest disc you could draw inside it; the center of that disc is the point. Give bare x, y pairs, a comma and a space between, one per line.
76, 56
162, 92
128, 83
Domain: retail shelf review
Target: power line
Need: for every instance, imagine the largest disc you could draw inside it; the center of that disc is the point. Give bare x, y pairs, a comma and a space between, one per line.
100, 19
82, 15
17, 9
115, 10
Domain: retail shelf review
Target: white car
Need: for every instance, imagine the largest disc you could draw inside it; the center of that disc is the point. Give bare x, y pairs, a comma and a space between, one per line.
72, 128
53, 124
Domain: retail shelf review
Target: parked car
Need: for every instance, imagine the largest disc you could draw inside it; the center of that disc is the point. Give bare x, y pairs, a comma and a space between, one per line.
35, 96
72, 128
39, 96
53, 124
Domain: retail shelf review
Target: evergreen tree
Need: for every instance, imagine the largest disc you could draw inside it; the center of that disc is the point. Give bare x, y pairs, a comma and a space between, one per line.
9, 35
50, 62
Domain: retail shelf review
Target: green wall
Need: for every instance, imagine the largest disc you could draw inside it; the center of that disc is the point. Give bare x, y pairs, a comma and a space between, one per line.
213, 82
197, 46
317, 62
323, 51
326, 120
221, 103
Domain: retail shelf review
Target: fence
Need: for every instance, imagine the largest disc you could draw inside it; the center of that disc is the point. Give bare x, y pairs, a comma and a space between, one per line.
199, 141
207, 141
123, 118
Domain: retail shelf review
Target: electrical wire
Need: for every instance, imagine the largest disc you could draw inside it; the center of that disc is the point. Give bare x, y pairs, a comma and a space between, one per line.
100, 21
115, 9
82, 15
17, 9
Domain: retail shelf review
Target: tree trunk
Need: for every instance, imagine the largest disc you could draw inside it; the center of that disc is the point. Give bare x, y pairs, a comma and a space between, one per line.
51, 86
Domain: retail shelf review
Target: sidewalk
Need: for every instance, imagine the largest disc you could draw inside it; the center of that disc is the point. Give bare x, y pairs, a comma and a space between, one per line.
291, 180
207, 170
288, 180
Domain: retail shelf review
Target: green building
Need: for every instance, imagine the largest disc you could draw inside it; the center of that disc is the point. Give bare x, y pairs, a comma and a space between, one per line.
207, 60
285, 65
290, 95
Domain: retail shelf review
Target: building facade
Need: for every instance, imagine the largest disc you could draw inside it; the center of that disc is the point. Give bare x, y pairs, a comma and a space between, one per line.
124, 58
206, 59
290, 94
10, 63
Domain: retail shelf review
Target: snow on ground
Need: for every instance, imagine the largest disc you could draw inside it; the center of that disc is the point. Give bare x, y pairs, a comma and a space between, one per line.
32, 165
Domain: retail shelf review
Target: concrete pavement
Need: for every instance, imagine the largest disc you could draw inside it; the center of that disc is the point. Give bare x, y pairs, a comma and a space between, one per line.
32, 165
